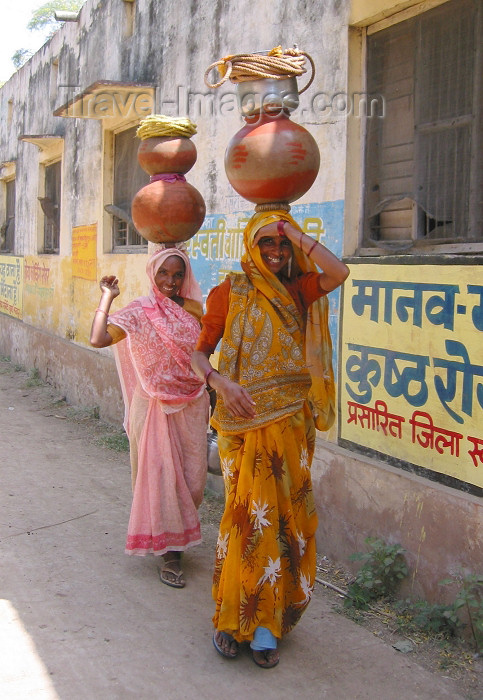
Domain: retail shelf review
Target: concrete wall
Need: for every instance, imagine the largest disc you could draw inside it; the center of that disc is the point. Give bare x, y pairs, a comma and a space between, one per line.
169, 45
439, 527
83, 376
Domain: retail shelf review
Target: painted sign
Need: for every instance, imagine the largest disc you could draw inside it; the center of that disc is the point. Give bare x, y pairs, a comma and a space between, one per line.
11, 282
38, 278
412, 365
84, 255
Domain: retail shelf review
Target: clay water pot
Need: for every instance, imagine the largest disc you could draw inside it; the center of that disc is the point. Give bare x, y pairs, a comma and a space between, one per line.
267, 95
167, 154
272, 159
168, 212
214, 464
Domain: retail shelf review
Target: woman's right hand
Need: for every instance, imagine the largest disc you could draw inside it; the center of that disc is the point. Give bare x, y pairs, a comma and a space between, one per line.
237, 400
110, 286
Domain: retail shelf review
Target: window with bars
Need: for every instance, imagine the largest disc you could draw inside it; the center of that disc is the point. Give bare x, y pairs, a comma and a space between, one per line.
129, 177
50, 204
424, 159
7, 231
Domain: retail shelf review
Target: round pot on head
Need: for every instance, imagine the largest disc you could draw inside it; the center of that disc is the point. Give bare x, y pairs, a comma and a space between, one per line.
272, 159
167, 154
168, 212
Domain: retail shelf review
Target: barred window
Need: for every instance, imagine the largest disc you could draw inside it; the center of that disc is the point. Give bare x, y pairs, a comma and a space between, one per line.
50, 204
7, 230
424, 158
128, 179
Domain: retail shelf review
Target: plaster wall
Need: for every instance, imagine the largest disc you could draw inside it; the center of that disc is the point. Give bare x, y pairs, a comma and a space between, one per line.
84, 377
358, 497
95, 49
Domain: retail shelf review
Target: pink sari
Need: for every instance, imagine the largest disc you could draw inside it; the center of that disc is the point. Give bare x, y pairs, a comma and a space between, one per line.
166, 415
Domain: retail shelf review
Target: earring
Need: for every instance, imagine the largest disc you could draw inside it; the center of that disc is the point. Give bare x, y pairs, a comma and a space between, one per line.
289, 266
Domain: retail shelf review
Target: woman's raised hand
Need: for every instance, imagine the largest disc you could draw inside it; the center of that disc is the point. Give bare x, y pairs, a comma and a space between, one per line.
110, 285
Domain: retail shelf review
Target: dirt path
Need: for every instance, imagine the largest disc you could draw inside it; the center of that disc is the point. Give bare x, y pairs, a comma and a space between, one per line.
80, 620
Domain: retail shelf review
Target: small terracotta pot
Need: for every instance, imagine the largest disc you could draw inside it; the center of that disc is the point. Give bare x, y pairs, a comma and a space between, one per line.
168, 212
166, 154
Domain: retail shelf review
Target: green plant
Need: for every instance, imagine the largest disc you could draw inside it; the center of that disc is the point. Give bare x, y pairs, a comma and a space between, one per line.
34, 378
433, 618
83, 413
381, 573
118, 441
4, 366
470, 596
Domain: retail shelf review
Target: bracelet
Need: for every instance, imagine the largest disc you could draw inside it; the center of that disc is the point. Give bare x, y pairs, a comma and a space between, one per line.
311, 249
102, 311
300, 239
212, 369
280, 225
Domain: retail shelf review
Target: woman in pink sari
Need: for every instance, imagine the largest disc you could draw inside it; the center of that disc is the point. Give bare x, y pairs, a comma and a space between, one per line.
166, 406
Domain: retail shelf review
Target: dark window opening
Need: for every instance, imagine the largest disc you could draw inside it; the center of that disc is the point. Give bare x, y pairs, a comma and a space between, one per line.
50, 204
424, 158
129, 177
7, 230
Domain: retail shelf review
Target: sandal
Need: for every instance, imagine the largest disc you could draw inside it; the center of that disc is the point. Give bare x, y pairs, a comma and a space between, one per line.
170, 576
228, 638
268, 658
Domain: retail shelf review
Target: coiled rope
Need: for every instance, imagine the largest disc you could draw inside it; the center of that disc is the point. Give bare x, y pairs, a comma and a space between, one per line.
158, 125
270, 206
276, 64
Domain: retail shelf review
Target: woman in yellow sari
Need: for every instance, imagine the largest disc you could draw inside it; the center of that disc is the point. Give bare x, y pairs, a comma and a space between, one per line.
274, 384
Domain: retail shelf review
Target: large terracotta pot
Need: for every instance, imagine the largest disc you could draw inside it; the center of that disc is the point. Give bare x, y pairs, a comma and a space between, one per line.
168, 212
167, 154
272, 160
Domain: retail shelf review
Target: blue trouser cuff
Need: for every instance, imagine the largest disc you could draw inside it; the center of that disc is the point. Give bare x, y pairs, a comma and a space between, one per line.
263, 639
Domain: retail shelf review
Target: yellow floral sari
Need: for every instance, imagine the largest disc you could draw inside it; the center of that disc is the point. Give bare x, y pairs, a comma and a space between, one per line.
265, 555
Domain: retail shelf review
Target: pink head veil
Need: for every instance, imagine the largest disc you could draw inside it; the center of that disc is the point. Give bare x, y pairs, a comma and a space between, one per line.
190, 288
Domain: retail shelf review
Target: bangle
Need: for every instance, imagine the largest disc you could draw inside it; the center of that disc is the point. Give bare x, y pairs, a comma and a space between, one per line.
280, 225
311, 249
208, 374
300, 239
102, 311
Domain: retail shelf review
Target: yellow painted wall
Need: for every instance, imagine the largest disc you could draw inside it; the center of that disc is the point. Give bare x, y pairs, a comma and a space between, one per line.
412, 365
66, 302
